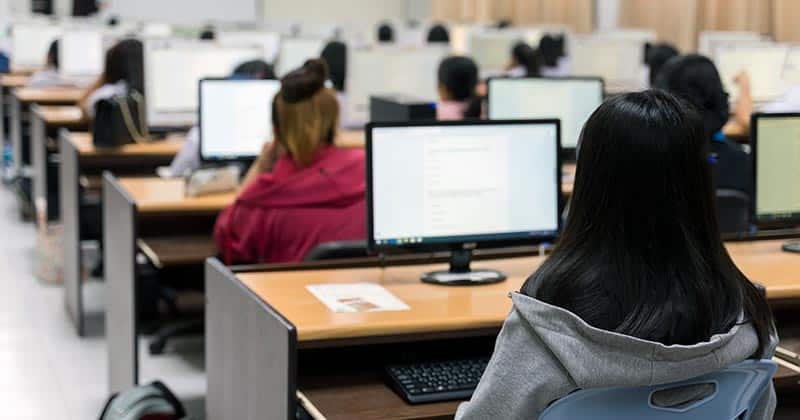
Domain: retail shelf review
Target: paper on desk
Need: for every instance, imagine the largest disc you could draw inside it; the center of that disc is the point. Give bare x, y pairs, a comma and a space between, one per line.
357, 297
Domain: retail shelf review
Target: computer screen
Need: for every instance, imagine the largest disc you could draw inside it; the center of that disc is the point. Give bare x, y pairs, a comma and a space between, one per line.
764, 62
776, 154
619, 61
173, 70
448, 183
29, 44
572, 100
491, 49
709, 40
81, 53
270, 42
389, 70
235, 117
296, 51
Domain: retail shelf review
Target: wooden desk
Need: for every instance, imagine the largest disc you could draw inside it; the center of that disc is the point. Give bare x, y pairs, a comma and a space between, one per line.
9, 81
154, 216
78, 158
21, 100
46, 120
264, 330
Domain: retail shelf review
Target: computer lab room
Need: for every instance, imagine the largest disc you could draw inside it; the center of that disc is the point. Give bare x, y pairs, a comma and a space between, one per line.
400, 209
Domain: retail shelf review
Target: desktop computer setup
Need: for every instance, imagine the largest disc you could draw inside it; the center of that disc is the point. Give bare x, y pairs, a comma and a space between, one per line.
775, 148
572, 100
458, 186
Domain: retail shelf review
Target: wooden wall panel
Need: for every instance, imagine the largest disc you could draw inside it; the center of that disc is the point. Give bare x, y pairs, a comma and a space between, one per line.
577, 14
674, 21
736, 15
785, 18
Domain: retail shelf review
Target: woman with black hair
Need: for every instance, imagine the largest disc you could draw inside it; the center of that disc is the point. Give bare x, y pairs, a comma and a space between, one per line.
49, 76
458, 80
655, 56
385, 33
639, 290
438, 34
551, 50
525, 61
123, 73
695, 79
335, 55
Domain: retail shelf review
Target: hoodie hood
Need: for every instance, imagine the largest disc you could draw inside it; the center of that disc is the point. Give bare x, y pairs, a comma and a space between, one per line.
598, 358
335, 179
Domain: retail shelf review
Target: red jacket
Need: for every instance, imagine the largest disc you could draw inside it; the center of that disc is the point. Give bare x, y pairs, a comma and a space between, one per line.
284, 214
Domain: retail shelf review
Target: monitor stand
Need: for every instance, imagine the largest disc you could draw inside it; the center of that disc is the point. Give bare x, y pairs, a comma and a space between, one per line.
460, 273
792, 246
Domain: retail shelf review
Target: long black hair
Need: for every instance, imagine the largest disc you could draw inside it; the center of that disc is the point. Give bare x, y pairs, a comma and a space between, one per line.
438, 34
459, 76
124, 61
527, 57
335, 55
385, 33
694, 78
641, 252
52, 55
551, 48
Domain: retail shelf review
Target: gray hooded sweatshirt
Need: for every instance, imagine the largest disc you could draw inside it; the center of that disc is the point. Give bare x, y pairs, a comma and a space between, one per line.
545, 352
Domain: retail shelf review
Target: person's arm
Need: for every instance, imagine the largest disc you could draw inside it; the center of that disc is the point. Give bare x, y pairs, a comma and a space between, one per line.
739, 125
83, 103
270, 153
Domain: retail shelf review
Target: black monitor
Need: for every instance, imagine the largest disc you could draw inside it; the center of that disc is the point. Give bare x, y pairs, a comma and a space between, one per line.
458, 186
775, 144
235, 118
570, 99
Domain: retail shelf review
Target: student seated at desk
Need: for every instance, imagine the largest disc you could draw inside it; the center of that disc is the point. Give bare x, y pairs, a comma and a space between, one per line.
302, 190
438, 34
458, 82
525, 61
385, 33
335, 56
48, 77
695, 78
123, 73
639, 289
554, 62
655, 56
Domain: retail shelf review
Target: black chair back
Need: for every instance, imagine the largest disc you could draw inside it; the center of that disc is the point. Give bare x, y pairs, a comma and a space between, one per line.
733, 211
337, 251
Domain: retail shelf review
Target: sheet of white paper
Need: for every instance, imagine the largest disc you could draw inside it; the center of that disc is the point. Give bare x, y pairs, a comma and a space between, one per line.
357, 297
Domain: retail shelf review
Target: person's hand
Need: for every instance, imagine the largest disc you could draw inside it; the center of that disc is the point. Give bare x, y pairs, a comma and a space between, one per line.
270, 153
742, 80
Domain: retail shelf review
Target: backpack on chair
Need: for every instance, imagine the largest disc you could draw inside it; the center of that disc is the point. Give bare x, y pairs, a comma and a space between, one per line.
145, 402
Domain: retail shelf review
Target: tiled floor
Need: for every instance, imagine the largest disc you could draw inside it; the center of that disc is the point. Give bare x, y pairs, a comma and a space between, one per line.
46, 370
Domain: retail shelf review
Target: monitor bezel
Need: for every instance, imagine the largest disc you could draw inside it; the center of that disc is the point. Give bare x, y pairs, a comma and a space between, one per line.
204, 158
568, 153
467, 243
761, 221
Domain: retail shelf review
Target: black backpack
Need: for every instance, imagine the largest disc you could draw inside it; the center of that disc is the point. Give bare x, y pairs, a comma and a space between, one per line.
145, 402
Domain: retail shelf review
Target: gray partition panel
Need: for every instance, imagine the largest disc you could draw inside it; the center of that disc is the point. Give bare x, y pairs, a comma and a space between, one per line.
251, 352
39, 160
69, 181
119, 256
3, 97
16, 133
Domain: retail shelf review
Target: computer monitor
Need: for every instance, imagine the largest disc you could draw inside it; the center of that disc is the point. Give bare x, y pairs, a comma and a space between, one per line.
491, 49
775, 144
619, 61
571, 100
389, 70
29, 44
709, 40
173, 70
235, 117
81, 53
458, 186
270, 42
763, 62
294, 52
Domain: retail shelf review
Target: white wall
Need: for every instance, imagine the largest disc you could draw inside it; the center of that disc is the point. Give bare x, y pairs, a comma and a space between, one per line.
334, 10
607, 14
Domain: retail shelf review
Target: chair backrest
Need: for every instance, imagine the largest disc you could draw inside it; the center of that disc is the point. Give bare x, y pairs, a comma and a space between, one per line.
733, 208
338, 250
737, 390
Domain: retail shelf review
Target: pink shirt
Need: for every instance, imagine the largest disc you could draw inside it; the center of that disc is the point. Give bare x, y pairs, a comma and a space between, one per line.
450, 110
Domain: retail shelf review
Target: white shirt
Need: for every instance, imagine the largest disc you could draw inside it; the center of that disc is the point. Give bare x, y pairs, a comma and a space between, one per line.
105, 92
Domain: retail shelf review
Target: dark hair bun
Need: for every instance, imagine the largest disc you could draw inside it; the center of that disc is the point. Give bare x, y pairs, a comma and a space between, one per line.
304, 82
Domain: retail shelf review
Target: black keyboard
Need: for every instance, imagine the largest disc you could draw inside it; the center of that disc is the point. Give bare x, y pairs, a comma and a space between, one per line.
433, 382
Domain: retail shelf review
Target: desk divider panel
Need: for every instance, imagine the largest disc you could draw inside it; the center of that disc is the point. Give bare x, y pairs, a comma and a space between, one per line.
251, 352
119, 233
38, 146
16, 134
69, 180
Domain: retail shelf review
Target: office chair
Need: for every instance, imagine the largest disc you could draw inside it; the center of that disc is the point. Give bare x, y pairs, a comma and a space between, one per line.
337, 250
733, 211
732, 394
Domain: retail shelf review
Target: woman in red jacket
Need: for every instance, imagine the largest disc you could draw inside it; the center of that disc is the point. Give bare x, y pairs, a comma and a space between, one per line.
302, 190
